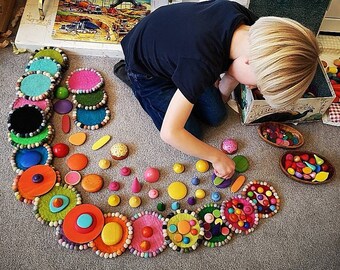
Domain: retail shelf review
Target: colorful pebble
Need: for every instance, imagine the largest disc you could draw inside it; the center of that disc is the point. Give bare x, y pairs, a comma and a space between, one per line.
101, 142
113, 200
104, 164
178, 168
202, 166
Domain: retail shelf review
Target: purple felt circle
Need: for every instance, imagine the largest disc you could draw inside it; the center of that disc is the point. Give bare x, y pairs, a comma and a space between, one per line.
63, 106
226, 183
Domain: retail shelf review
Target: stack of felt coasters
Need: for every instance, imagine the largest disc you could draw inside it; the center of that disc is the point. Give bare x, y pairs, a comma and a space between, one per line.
29, 130
90, 98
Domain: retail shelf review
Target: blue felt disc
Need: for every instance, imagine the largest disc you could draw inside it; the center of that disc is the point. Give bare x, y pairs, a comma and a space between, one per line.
26, 158
84, 221
91, 118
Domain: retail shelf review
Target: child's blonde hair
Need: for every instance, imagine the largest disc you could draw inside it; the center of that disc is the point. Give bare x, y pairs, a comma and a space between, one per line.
284, 56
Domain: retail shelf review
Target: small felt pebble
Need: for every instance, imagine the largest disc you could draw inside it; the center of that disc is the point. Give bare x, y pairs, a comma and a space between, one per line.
161, 206
175, 206
200, 194
145, 245
147, 231
125, 171
66, 123
104, 164
135, 201
61, 92
78, 138
114, 186
191, 201
63, 106
178, 168
60, 150
238, 183
195, 181
318, 160
202, 166
92, 183
151, 175
321, 176
136, 186
72, 178
101, 142
229, 146
153, 193
113, 200
215, 196
77, 162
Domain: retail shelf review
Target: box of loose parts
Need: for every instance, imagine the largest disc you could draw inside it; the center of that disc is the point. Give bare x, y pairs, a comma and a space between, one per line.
318, 97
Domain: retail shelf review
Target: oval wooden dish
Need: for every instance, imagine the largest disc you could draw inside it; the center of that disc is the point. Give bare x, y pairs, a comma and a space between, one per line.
266, 128
284, 166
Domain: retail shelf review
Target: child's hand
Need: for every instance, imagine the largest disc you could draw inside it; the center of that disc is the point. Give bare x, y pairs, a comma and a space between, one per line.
224, 167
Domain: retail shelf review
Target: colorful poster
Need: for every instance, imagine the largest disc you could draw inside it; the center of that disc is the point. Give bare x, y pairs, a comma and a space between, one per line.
105, 21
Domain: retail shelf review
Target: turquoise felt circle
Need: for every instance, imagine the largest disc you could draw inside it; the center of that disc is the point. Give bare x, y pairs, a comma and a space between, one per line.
44, 64
35, 84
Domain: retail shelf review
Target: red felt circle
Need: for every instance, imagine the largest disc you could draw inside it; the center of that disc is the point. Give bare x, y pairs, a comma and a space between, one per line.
71, 220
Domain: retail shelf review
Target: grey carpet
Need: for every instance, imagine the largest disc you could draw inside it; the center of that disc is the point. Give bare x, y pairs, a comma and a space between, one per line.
303, 235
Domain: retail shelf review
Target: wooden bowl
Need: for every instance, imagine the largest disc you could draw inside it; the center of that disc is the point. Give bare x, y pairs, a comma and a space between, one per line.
284, 128
330, 170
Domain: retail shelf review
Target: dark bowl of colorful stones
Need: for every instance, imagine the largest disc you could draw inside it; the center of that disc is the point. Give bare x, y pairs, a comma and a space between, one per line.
307, 167
280, 135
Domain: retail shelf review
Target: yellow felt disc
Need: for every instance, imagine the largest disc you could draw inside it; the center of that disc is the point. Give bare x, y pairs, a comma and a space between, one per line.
112, 233
177, 190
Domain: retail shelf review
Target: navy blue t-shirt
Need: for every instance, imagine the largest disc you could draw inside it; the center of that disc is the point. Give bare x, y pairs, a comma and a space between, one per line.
187, 43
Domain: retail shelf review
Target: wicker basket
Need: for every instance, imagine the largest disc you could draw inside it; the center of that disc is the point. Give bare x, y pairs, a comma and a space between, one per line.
285, 128
331, 169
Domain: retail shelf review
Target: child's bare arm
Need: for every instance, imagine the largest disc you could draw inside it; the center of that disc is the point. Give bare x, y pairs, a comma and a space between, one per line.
173, 133
226, 85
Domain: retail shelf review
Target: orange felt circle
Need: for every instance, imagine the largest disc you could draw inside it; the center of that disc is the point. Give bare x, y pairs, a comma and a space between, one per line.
70, 221
77, 162
28, 189
119, 247
92, 182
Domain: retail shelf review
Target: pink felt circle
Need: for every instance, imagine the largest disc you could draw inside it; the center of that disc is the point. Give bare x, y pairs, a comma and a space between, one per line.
72, 178
84, 80
157, 238
19, 102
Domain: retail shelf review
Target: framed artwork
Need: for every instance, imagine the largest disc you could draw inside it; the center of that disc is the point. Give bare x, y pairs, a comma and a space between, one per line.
104, 21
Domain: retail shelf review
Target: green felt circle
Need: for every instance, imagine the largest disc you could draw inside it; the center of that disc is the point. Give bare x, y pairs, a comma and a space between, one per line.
241, 163
39, 138
50, 53
210, 209
90, 99
44, 203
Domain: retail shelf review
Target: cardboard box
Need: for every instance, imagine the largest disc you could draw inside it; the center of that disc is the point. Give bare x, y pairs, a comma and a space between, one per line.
255, 111
6, 9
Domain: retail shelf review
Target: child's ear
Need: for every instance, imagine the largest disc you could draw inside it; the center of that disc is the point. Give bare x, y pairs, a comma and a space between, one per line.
246, 60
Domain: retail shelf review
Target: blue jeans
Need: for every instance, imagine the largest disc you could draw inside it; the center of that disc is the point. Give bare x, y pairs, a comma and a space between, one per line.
154, 94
